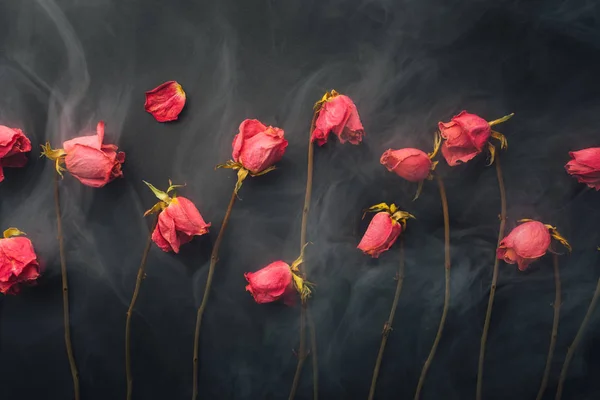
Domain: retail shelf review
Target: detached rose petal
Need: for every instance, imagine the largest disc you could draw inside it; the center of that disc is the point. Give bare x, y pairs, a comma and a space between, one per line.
18, 264
380, 235
257, 146
465, 137
94, 164
13, 146
525, 244
166, 101
585, 166
339, 116
272, 283
178, 224
411, 164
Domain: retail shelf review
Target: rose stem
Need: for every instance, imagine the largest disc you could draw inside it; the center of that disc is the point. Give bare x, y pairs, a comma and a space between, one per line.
387, 327
578, 336
136, 291
447, 294
557, 301
214, 257
65, 291
488, 315
304, 312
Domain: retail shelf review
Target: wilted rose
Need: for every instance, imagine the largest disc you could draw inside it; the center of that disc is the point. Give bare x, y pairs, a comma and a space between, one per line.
585, 166
380, 235
465, 137
177, 224
271, 283
411, 164
257, 147
166, 101
92, 162
13, 146
525, 244
338, 115
18, 264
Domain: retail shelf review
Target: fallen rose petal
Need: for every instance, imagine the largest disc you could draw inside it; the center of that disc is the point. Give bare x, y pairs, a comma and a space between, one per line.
166, 101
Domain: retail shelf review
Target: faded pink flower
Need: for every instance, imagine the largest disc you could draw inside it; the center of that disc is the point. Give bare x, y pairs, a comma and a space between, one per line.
465, 137
411, 164
166, 101
18, 264
13, 146
380, 235
338, 115
272, 283
177, 224
257, 146
585, 166
525, 244
90, 161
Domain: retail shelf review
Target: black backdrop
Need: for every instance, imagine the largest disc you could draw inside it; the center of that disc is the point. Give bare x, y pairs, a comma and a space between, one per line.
66, 64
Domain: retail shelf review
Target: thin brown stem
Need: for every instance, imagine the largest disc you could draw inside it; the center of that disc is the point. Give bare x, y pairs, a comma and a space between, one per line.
387, 327
305, 312
65, 291
438, 336
136, 291
488, 314
554, 334
214, 257
301, 351
578, 336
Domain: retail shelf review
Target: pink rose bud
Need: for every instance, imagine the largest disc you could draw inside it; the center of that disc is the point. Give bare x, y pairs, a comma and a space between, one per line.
380, 235
90, 161
257, 147
166, 101
13, 146
528, 242
273, 282
177, 224
585, 166
18, 262
465, 137
337, 115
413, 165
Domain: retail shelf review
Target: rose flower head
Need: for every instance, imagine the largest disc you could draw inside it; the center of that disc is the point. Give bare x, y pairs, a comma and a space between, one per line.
13, 148
384, 229
18, 262
256, 149
337, 114
528, 242
88, 159
466, 135
278, 281
414, 165
165, 101
585, 166
178, 219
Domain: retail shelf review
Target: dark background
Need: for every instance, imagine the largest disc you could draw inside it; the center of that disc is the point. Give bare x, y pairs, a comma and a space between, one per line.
66, 64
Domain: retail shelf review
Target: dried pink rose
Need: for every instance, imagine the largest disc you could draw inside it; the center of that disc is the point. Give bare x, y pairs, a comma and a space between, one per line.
465, 137
18, 262
585, 166
411, 164
177, 224
337, 115
166, 101
90, 161
380, 235
13, 146
257, 146
272, 283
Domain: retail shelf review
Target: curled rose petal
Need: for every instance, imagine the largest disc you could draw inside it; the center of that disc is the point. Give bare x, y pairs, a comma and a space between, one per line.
166, 101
